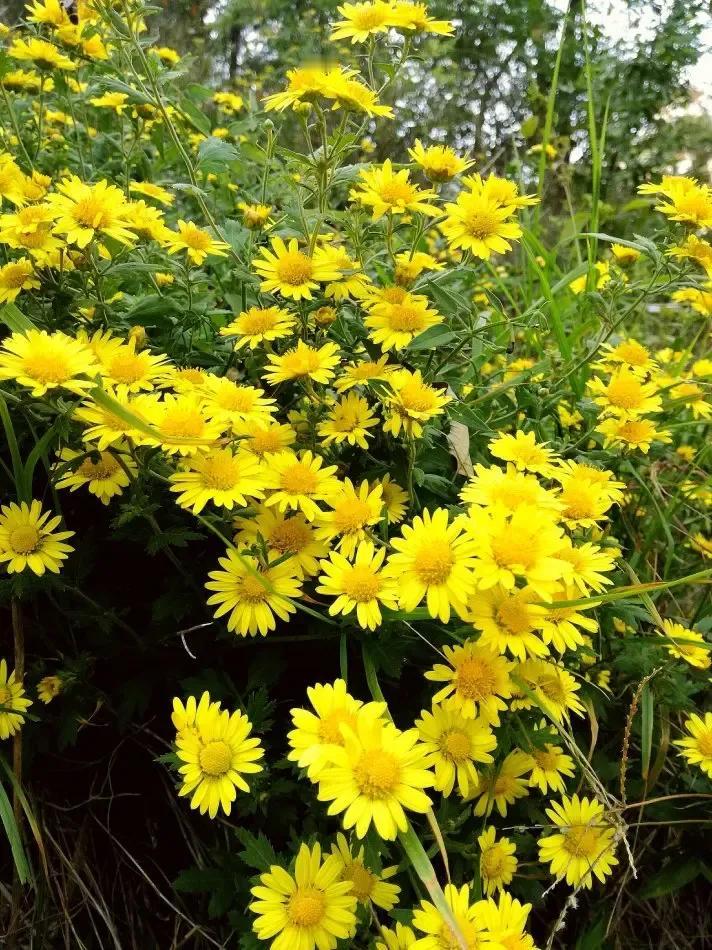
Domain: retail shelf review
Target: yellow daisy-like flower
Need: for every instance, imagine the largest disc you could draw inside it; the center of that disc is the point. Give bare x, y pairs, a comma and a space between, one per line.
497, 861
358, 585
414, 16
233, 405
391, 192
631, 434
366, 371
550, 765
214, 758
124, 364
195, 242
439, 162
362, 20
42, 53
368, 887
118, 101
146, 221
299, 482
293, 273
625, 395
13, 702
502, 785
50, 12
348, 421
490, 487
395, 499
15, 277
687, 645
554, 687
560, 625
83, 212
377, 773
107, 429
601, 277
411, 264
692, 248
702, 544
229, 101
284, 535
352, 95
439, 934
184, 716
304, 85
524, 452
478, 224
29, 539
402, 938
302, 363
353, 512
182, 424
510, 621
583, 844
264, 438
589, 564
30, 229
456, 744
696, 747
310, 910
259, 325
699, 300
628, 353
505, 919
689, 202
411, 403
48, 688
44, 361
476, 681
227, 479
434, 560
255, 216
151, 190
253, 593
316, 734
396, 325
104, 474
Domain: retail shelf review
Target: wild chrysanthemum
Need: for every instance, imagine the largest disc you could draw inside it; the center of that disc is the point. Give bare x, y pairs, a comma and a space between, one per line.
414, 16
401, 938
15, 277
44, 361
299, 482
439, 162
13, 702
439, 935
689, 203
366, 371
480, 225
293, 273
151, 190
253, 593
353, 512
184, 716
29, 539
524, 452
263, 438
589, 565
83, 212
411, 264
386, 191
457, 746
583, 844
196, 243
105, 474
490, 487
284, 535
554, 688
182, 424
396, 325
349, 421
310, 910
48, 688
687, 645
303, 362
412, 403
105, 428
628, 353
497, 861
259, 325
625, 395
505, 920
30, 229
377, 773
227, 479
122, 364
476, 679
550, 766
434, 560
359, 584
362, 20
42, 53
696, 746
395, 499
214, 758
510, 621
501, 785
369, 887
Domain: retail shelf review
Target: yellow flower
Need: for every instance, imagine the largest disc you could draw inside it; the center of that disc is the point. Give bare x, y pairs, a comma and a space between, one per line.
229, 101
697, 744
439, 162
103, 473
362, 20
184, 717
29, 539
411, 403
510, 620
586, 494
43, 54
293, 273
689, 203
693, 248
353, 512
303, 362
402, 938
221, 476
44, 361
502, 785
554, 688
624, 255
148, 188
687, 645
252, 593
497, 861
195, 242
182, 424
389, 192
106, 428
439, 935
166, 54
15, 277
259, 325
255, 216
414, 16
583, 844
699, 300
304, 85
702, 544
50, 12
232, 405
524, 452
505, 920
375, 775
602, 276
490, 487
214, 757
369, 887
118, 101
146, 221
123, 364
549, 764
299, 481
84, 211
395, 325
358, 584
629, 353
13, 703
264, 438
456, 744
353, 95
411, 264
395, 500
48, 688
348, 421
625, 395
477, 223
560, 625
30, 229
366, 371
308, 910
283, 535
630, 434
476, 681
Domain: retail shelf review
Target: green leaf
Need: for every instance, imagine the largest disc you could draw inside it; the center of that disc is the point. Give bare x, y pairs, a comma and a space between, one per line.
258, 853
13, 836
14, 319
673, 877
647, 702
214, 154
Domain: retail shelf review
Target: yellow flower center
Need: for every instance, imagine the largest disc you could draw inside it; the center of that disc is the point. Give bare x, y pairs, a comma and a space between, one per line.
294, 268
475, 679
580, 500
416, 397
482, 222
406, 319
447, 940
352, 515
253, 589
513, 615
265, 440
104, 469
183, 423
220, 471
512, 494
377, 774
299, 479
546, 759
625, 392
300, 362
361, 584
365, 370
455, 745
553, 689
91, 212
394, 295
306, 907
255, 322
433, 562
493, 862
581, 841
330, 726
190, 375
15, 275
24, 539
215, 758
368, 17
632, 353
128, 367
509, 549
396, 192
196, 239
235, 398
290, 536
362, 880
704, 743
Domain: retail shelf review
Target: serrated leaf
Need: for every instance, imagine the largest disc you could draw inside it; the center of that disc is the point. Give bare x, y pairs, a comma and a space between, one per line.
257, 853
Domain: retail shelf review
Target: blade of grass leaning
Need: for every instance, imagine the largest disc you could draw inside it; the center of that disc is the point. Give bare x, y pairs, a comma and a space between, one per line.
12, 832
